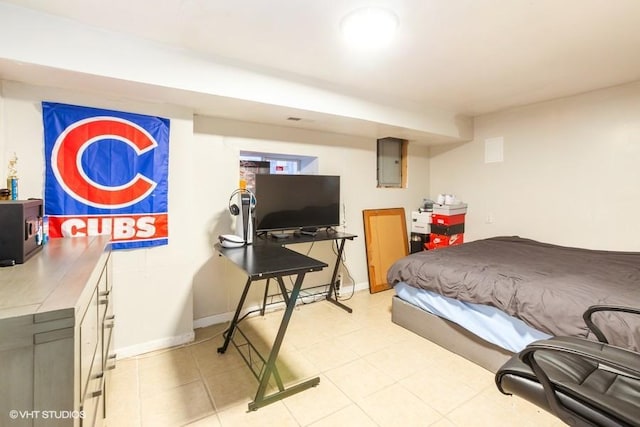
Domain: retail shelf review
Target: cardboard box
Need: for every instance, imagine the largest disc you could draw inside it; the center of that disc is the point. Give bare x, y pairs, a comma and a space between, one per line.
458, 209
440, 241
447, 219
421, 222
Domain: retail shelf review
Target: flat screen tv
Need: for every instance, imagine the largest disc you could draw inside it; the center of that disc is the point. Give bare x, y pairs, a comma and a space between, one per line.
294, 202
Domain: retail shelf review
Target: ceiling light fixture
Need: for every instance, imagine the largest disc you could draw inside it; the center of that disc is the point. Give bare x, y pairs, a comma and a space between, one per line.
369, 27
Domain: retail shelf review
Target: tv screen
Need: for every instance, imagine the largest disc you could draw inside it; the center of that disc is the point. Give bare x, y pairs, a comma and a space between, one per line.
291, 202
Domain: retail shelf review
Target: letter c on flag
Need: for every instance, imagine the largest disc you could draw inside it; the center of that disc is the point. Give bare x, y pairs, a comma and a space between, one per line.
66, 162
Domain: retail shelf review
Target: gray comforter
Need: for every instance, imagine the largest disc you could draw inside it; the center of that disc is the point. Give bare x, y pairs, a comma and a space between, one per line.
546, 286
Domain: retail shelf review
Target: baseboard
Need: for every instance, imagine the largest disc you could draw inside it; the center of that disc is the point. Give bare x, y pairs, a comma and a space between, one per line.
212, 320
348, 289
362, 286
160, 344
203, 322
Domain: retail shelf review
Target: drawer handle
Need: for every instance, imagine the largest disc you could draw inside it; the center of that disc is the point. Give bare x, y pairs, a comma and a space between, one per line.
110, 363
112, 356
98, 376
104, 294
109, 325
96, 393
111, 317
103, 302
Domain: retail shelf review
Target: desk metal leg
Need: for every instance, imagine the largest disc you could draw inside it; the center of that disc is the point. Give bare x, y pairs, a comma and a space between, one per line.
264, 300
332, 285
283, 290
270, 368
234, 322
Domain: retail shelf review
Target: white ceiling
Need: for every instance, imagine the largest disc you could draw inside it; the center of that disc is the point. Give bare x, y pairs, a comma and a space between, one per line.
467, 56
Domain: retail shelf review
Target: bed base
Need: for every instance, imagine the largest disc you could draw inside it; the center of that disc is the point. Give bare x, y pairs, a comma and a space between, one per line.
448, 335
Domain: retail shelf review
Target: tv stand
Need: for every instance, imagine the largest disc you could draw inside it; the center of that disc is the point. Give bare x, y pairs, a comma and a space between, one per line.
280, 235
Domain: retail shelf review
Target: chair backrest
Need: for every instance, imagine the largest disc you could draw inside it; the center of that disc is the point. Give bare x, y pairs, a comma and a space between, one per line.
580, 381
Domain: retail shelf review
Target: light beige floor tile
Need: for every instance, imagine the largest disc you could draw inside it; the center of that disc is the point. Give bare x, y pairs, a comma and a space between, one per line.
396, 406
369, 339
491, 410
312, 325
443, 423
121, 419
328, 354
362, 355
176, 406
209, 332
126, 367
208, 421
351, 416
407, 357
293, 367
166, 370
359, 378
210, 362
273, 415
462, 370
122, 395
301, 337
232, 388
270, 322
317, 402
439, 390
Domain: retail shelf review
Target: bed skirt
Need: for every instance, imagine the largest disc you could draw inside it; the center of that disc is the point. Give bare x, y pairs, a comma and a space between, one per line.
448, 335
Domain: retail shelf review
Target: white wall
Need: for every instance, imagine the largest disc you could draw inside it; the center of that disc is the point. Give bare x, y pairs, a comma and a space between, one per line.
160, 291
152, 287
218, 143
570, 173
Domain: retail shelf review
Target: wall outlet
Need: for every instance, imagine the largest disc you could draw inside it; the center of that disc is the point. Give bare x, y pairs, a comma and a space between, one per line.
338, 284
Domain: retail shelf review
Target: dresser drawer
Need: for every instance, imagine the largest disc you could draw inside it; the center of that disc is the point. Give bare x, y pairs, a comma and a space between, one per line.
89, 339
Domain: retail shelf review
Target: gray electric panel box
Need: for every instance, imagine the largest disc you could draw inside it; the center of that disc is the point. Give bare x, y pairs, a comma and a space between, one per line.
390, 162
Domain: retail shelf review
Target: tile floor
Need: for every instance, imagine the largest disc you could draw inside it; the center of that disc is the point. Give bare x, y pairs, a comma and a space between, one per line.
372, 373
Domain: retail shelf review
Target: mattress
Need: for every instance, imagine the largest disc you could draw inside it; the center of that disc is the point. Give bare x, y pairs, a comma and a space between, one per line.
488, 323
546, 286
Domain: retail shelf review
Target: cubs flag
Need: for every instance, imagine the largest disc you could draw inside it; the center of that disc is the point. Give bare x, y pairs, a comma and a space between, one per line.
106, 173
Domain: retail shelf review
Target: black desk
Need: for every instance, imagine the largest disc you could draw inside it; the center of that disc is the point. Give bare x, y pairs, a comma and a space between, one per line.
340, 239
265, 259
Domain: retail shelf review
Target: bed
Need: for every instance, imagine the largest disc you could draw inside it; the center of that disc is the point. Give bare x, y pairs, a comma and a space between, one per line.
488, 299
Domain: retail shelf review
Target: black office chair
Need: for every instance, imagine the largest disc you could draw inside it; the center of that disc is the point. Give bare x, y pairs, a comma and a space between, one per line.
582, 382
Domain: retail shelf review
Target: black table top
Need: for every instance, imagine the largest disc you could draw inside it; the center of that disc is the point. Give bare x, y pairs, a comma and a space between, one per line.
264, 261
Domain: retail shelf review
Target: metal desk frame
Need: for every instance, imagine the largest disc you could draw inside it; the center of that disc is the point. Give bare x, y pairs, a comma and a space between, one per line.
340, 239
264, 262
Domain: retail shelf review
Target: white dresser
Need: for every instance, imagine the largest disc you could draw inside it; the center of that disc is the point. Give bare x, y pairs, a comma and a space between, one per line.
56, 323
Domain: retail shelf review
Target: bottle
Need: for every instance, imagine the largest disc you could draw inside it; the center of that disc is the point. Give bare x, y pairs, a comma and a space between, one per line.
12, 177
40, 233
45, 229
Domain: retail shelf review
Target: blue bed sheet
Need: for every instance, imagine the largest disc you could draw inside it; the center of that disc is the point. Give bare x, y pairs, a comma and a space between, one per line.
489, 323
